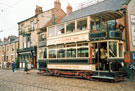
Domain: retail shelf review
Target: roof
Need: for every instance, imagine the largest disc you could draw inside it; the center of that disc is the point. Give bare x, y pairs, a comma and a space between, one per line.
33, 16
106, 5
7, 42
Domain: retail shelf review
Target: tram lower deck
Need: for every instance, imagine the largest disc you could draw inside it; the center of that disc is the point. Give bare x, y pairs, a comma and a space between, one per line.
99, 59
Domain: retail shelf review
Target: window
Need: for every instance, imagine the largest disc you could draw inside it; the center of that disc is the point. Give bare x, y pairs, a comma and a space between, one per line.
12, 57
83, 52
13, 47
52, 54
60, 29
81, 25
71, 52
45, 53
92, 25
111, 25
70, 27
82, 44
98, 26
51, 31
22, 28
61, 53
112, 49
121, 50
32, 25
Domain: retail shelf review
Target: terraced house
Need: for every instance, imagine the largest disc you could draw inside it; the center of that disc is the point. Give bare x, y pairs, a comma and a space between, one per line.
32, 37
8, 49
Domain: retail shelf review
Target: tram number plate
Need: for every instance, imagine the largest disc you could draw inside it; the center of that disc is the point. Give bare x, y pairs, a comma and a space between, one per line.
132, 67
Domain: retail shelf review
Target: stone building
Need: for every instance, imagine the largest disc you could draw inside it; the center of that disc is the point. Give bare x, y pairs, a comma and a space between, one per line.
32, 35
8, 49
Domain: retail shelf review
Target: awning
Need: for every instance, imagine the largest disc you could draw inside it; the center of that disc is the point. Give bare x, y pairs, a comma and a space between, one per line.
108, 15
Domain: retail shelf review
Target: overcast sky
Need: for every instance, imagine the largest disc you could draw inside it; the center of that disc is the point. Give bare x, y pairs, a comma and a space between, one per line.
14, 11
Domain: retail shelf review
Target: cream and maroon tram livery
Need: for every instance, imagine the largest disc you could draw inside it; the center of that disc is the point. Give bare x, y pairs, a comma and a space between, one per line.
89, 47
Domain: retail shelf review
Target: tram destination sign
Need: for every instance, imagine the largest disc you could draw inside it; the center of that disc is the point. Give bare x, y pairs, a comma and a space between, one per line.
68, 39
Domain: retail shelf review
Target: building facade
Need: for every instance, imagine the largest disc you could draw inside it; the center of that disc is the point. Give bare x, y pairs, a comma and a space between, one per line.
32, 35
8, 50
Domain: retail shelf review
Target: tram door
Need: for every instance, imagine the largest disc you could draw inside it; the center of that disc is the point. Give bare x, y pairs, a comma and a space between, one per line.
101, 56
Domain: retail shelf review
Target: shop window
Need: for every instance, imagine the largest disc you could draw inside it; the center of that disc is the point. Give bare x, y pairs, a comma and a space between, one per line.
112, 49
111, 25
61, 53
83, 52
81, 25
70, 27
52, 54
71, 53
92, 25
51, 31
121, 50
60, 29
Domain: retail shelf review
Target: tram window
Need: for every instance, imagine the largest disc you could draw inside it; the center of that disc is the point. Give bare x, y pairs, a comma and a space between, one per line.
51, 31
111, 25
52, 54
70, 27
120, 50
60, 46
60, 29
92, 25
71, 53
97, 26
73, 45
82, 44
81, 25
112, 49
61, 53
83, 52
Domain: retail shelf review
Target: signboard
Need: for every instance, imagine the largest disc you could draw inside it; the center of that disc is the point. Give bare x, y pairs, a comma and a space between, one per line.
72, 67
127, 58
67, 39
133, 29
133, 56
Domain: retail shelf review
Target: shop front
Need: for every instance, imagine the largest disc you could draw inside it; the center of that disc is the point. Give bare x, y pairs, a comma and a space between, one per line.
27, 54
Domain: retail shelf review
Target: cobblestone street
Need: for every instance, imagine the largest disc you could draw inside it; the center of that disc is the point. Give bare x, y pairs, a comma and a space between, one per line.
19, 81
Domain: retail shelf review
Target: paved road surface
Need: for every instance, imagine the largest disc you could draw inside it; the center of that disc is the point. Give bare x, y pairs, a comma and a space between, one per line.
19, 81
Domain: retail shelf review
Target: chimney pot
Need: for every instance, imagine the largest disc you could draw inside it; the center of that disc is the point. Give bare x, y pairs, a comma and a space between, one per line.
69, 9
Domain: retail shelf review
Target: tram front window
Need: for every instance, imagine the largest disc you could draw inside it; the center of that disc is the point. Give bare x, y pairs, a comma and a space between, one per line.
112, 49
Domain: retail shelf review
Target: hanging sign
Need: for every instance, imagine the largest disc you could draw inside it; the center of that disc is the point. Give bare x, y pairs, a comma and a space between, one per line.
133, 29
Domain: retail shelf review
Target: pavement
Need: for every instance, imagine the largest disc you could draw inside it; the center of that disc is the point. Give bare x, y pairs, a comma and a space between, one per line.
20, 81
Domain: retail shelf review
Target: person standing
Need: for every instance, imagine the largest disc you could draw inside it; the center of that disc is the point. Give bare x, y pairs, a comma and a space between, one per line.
13, 66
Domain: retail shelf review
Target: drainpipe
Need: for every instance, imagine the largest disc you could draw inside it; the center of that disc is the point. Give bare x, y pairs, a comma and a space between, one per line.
124, 13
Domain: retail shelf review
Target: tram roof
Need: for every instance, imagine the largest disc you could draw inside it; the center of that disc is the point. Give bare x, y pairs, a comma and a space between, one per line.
106, 5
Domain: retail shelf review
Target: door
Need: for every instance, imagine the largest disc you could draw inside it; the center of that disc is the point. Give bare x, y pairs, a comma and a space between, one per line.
34, 61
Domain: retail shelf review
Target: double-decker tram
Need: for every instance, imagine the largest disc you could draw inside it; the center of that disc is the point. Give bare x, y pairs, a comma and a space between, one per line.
90, 47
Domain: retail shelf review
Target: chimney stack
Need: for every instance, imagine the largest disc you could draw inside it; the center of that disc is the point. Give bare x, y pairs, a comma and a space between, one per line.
69, 9
38, 10
57, 4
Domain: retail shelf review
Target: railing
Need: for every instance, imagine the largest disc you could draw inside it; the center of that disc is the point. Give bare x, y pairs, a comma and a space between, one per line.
98, 35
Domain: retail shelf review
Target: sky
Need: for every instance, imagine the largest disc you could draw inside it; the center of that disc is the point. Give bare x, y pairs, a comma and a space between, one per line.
14, 11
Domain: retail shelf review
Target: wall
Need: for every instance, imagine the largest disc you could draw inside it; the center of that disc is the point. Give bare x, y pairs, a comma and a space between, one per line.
131, 11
